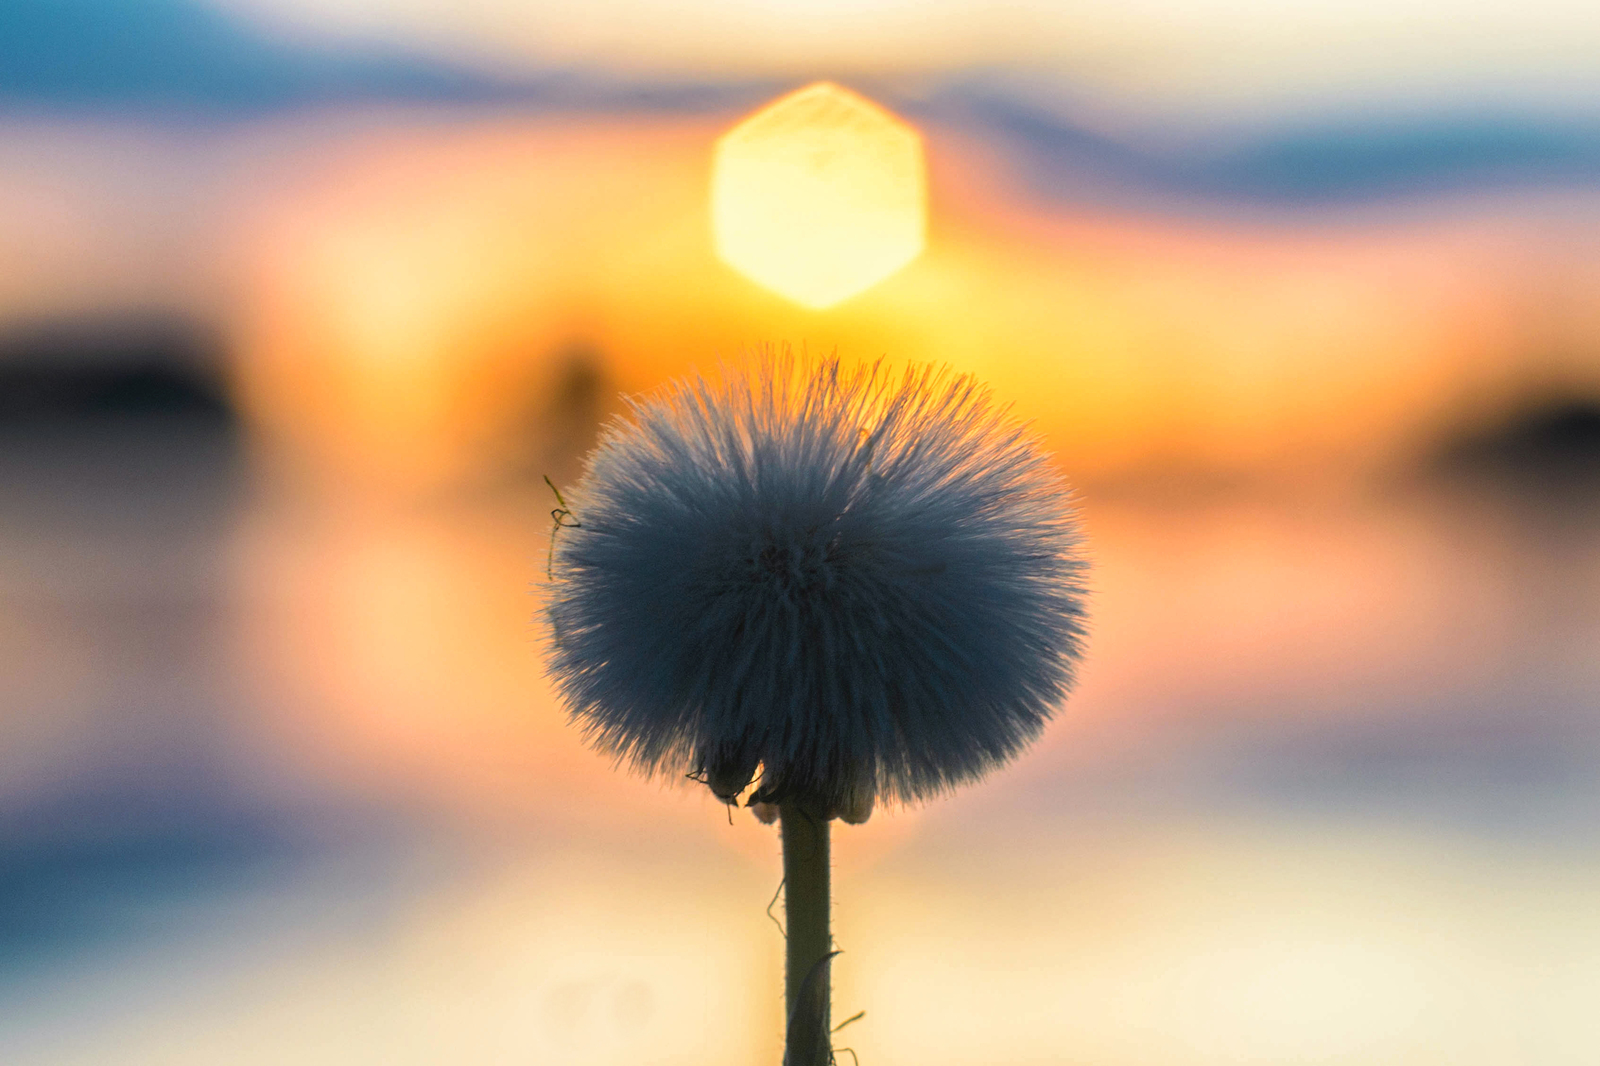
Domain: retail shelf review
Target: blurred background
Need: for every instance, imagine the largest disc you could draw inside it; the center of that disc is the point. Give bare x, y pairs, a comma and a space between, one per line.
300, 299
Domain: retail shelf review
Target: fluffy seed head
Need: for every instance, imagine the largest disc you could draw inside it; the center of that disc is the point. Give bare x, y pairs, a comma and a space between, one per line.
868, 587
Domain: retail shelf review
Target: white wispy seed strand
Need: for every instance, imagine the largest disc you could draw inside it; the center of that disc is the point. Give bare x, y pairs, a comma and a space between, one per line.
868, 587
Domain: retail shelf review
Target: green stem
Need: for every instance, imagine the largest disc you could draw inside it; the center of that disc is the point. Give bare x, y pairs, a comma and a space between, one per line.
806, 900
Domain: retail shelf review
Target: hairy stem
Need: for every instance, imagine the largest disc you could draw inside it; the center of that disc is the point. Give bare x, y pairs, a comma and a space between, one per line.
806, 900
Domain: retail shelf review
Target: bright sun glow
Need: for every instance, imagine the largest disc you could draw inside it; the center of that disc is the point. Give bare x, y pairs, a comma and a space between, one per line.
819, 195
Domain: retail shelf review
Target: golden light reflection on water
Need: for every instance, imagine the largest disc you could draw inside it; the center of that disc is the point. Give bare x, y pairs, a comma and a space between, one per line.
1201, 944
1242, 945
542, 961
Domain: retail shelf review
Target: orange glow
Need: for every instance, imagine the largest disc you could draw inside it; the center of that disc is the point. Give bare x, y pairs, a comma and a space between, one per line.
406, 300
819, 195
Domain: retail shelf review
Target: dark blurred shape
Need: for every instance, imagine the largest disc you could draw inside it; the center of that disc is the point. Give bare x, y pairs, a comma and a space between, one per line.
121, 457
1548, 444
78, 374
577, 403
565, 419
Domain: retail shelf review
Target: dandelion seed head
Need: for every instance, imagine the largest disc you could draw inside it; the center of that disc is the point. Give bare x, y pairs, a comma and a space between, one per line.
864, 587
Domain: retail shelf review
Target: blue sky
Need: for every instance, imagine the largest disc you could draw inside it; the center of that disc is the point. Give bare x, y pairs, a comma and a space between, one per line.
1134, 63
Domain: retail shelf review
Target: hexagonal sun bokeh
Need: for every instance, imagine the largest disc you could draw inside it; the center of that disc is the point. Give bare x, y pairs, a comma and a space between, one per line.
819, 195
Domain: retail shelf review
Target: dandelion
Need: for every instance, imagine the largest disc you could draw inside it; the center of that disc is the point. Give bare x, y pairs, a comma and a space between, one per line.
844, 586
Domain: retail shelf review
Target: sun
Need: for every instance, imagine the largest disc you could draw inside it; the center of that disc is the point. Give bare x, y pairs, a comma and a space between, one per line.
819, 195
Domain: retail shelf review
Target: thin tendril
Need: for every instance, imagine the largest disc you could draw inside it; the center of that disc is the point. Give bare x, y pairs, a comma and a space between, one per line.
773, 904
856, 1017
559, 516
